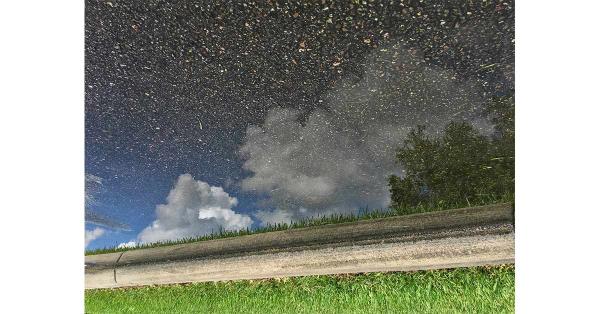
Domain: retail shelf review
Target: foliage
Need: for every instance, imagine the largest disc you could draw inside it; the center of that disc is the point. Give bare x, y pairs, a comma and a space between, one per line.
461, 167
462, 290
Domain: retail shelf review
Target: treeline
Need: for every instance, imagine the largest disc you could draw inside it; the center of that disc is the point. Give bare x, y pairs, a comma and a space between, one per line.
460, 168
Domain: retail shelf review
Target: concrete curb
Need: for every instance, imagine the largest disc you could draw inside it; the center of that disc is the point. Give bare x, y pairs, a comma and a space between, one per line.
196, 261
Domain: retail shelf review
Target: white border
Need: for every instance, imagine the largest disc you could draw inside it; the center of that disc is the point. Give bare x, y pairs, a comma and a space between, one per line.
41, 167
557, 159
42, 132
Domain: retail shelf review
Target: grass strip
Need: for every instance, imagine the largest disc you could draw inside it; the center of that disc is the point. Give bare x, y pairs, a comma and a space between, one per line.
461, 290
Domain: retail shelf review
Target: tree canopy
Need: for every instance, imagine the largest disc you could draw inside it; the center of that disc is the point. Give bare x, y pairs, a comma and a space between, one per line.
460, 167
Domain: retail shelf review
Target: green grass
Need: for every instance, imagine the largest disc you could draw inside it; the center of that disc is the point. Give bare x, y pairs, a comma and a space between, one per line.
463, 290
314, 221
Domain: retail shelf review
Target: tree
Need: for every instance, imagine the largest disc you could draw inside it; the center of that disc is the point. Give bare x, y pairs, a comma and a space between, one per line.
460, 167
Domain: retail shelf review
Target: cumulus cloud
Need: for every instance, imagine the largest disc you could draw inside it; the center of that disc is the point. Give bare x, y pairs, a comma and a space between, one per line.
91, 235
194, 208
337, 159
130, 244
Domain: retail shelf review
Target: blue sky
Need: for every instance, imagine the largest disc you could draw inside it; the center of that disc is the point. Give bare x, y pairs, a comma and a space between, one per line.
125, 200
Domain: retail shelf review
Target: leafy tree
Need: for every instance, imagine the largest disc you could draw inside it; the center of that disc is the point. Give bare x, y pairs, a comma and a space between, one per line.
462, 167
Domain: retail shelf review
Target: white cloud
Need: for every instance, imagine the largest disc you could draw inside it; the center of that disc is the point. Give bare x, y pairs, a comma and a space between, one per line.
129, 244
337, 158
91, 235
194, 208
272, 217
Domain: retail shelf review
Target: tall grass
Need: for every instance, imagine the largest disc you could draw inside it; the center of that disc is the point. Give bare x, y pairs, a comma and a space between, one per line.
462, 290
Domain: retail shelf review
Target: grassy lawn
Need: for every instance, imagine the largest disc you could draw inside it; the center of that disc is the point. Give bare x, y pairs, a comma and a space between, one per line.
463, 290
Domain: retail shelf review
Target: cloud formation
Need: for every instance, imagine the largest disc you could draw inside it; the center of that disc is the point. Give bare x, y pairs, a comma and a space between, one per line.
193, 208
91, 235
337, 159
130, 244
